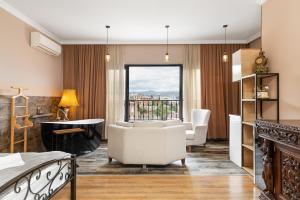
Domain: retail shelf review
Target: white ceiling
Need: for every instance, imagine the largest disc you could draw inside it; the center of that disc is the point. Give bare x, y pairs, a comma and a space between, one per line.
141, 21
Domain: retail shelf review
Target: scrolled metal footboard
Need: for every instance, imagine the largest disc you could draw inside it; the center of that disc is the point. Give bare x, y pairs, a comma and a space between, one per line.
47, 183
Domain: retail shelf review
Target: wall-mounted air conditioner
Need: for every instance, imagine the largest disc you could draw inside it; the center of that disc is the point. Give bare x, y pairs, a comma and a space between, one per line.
44, 44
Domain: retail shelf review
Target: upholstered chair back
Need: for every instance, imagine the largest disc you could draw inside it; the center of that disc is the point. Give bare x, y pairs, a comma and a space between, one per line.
200, 116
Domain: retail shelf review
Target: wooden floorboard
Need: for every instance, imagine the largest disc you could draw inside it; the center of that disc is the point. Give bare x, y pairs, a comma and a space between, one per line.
166, 187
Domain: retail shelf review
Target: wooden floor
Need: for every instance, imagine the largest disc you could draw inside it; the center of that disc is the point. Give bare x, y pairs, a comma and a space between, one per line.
213, 159
168, 187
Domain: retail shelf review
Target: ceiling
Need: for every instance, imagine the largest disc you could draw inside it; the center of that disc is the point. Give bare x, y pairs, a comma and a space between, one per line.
141, 21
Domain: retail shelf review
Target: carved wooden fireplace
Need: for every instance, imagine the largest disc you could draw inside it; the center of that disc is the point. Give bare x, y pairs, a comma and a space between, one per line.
281, 158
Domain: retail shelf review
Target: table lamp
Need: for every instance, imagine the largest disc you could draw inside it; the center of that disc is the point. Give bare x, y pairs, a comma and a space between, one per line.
67, 100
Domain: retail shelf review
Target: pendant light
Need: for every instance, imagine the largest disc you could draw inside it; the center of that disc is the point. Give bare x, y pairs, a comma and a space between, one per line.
225, 55
107, 55
167, 56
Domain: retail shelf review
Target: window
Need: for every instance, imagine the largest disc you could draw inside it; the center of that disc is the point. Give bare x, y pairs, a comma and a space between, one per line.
153, 92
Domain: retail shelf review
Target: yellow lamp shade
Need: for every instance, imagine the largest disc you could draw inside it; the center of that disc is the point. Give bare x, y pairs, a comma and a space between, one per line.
68, 98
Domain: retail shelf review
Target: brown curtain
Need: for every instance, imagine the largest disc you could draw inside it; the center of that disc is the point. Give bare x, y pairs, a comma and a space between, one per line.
84, 70
218, 93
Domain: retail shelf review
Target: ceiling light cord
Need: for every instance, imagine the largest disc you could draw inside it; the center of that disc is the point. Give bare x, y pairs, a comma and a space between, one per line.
167, 39
225, 55
106, 36
107, 55
167, 56
225, 36
107, 28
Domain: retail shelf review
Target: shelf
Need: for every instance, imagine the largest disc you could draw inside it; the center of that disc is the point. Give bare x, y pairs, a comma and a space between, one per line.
260, 75
249, 147
42, 115
249, 100
248, 111
266, 75
248, 136
259, 99
248, 162
249, 76
249, 170
251, 105
248, 123
267, 99
248, 89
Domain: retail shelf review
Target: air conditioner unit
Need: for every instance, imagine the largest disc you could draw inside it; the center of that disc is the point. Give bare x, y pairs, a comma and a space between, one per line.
44, 44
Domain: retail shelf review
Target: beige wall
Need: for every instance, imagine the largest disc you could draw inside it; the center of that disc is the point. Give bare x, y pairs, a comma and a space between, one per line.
281, 41
153, 54
23, 66
255, 44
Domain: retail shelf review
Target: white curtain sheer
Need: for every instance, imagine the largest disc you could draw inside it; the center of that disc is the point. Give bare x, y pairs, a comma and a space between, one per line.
191, 80
115, 85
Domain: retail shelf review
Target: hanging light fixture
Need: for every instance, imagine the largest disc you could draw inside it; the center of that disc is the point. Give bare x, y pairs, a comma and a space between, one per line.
225, 55
167, 56
107, 55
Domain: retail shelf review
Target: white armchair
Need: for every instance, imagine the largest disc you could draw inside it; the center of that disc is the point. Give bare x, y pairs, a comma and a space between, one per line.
196, 131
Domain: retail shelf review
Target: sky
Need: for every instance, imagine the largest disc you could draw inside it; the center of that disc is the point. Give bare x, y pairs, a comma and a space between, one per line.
160, 79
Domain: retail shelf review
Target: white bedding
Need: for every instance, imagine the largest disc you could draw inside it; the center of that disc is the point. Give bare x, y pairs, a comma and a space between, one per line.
11, 160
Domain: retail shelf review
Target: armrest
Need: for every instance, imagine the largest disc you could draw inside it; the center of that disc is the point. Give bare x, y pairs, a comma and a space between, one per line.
115, 136
200, 130
188, 125
199, 127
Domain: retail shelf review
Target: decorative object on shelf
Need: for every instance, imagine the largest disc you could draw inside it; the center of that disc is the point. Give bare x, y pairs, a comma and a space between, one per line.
167, 56
68, 100
225, 55
107, 55
15, 119
263, 92
261, 63
38, 110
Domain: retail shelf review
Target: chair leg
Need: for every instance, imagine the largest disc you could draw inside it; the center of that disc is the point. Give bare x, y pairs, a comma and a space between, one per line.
190, 148
109, 159
183, 162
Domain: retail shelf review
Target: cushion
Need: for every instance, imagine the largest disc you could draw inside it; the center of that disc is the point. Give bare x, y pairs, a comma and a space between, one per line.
124, 124
173, 122
190, 135
156, 124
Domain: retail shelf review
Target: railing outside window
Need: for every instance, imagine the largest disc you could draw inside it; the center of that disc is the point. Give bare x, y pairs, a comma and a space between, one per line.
154, 110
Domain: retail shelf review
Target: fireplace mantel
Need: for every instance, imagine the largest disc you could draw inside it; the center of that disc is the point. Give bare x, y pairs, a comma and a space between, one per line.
281, 158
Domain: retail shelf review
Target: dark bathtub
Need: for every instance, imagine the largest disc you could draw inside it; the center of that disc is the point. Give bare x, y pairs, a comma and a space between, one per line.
76, 143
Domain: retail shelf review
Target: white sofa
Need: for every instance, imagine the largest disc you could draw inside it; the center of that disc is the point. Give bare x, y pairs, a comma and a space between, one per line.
196, 132
147, 143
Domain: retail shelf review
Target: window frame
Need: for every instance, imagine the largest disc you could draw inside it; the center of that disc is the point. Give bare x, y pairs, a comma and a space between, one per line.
127, 77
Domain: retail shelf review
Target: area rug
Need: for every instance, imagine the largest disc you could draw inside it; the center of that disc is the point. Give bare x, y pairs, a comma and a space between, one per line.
210, 160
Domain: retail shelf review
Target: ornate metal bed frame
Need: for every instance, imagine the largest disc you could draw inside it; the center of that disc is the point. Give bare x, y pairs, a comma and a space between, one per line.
46, 191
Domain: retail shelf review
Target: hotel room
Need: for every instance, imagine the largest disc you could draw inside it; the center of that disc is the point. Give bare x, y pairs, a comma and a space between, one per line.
148, 99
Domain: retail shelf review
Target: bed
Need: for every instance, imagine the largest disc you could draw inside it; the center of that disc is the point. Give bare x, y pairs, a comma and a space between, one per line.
40, 178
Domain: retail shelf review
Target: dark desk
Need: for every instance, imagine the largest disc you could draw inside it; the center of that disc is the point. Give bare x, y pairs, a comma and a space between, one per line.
281, 158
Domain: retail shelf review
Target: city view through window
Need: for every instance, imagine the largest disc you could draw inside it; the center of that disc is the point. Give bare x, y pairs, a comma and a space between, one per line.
154, 93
